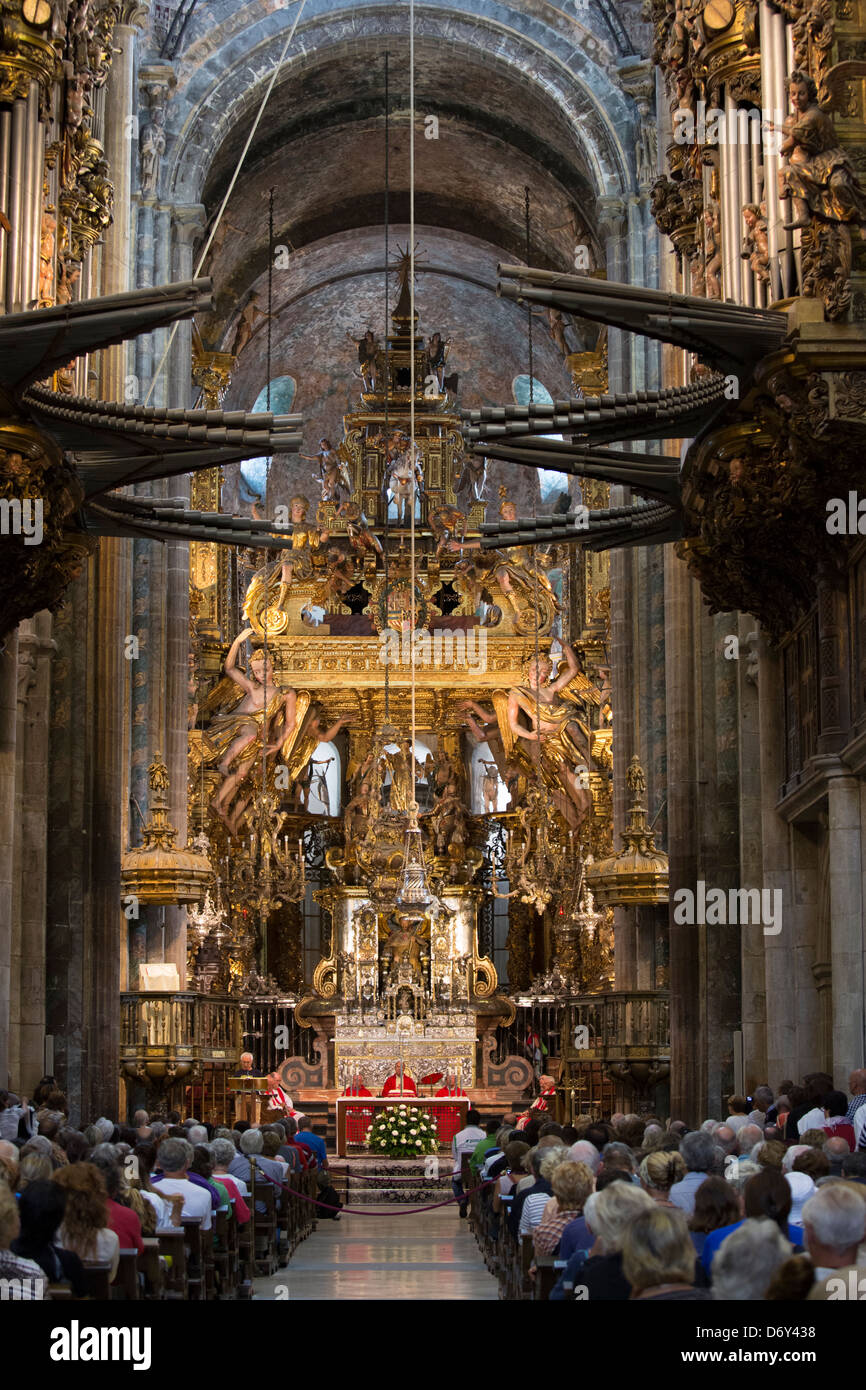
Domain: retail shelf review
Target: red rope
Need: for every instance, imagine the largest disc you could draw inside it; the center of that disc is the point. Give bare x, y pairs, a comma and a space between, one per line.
359, 1211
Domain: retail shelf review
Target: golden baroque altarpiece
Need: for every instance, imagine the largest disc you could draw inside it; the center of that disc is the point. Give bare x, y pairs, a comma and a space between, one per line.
330, 622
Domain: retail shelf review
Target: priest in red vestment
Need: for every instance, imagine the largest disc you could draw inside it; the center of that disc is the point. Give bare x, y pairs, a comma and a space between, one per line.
401, 1083
358, 1117
548, 1094
450, 1088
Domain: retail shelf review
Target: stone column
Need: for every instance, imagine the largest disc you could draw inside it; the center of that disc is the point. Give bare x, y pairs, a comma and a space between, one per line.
120, 146
753, 987
32, 851
687, 1042
847, 940
612, 225
110, 578
8, 733
779, 965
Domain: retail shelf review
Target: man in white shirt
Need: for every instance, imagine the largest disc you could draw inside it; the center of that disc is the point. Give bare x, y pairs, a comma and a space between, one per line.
174, 1157
464, 1142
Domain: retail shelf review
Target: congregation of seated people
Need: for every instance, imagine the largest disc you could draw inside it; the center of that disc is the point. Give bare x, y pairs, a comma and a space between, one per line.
767, 1203
71, 1197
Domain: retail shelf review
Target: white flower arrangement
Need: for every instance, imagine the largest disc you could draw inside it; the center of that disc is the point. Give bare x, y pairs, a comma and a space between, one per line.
403, 1131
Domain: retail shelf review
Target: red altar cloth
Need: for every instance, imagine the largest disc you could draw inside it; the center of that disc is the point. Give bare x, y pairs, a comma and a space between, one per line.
358, 1117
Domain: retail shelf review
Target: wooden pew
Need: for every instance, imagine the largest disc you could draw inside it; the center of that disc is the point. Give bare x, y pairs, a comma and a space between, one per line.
194, 1240
265, 1227
151, 1267
125, 1286
98, 1279
172, 1245
546, 1275
224, 1254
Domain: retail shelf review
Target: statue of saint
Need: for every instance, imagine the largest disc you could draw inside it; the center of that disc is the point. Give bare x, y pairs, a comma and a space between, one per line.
817, 174
368, 351
264, 713
404, 951
543, 713
333, 475
151, 148
403, 767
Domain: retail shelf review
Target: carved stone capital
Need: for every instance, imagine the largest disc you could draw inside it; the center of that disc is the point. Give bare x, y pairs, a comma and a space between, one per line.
612, 215
188, 221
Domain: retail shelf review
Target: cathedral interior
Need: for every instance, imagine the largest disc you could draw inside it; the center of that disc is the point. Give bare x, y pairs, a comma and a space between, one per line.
432, 575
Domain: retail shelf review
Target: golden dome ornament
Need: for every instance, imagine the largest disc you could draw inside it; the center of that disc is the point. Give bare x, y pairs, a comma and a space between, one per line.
156, 872
638, 874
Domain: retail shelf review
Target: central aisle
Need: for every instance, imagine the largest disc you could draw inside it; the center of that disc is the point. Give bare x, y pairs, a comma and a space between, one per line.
431, 1255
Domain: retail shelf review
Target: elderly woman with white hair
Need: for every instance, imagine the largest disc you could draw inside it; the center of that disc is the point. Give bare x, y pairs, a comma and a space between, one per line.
746, 1262
608, 1215
544, 1163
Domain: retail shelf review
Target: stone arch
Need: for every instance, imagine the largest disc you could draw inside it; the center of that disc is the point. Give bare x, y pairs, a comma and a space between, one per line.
216, 92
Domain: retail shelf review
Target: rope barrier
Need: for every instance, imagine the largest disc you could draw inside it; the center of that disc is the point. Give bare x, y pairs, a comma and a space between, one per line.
359, 1211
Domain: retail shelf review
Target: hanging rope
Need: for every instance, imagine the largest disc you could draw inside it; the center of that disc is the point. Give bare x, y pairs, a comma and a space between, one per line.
412, 359
386, 537
234, 178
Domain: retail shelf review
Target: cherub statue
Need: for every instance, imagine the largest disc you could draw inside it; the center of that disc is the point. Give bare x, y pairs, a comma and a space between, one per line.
712, 251
756, 248
340, 577
448, 525
489, 786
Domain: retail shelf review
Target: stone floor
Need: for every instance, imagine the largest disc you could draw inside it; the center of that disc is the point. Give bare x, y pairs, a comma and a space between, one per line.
429, 1255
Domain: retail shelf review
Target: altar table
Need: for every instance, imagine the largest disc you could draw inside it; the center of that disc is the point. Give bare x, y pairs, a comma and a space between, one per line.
449, 1114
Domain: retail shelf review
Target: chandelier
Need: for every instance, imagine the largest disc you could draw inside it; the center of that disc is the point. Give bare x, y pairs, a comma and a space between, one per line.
268, 871
207, 920
539, 863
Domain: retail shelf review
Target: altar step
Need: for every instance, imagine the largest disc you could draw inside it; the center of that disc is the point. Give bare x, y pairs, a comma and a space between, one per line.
381, 1182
